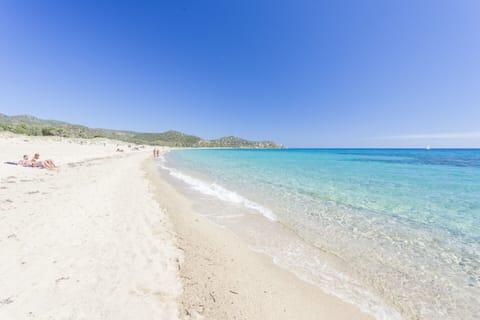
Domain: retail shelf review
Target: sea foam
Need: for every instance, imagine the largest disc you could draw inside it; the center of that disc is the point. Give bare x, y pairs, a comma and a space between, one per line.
215, 190
394, 231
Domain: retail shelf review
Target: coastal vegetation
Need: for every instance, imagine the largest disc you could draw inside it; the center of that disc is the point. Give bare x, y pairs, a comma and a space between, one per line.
32, 126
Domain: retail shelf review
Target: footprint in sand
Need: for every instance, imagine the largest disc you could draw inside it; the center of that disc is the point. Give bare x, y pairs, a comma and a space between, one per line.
61, 279
6, 301
10, 179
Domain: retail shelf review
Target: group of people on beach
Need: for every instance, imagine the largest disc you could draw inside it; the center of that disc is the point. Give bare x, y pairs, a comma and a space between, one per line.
156, 152
36, 162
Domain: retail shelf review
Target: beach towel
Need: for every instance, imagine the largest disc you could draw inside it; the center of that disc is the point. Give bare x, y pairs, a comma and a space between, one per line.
16, 164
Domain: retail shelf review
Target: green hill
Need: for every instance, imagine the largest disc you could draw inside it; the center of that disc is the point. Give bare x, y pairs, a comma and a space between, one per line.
29, 125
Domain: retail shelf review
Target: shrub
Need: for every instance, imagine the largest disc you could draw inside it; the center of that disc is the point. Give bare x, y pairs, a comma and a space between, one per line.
49, 131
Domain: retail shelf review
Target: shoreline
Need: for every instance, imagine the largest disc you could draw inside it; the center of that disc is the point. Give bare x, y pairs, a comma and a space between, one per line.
104, 236
224, 279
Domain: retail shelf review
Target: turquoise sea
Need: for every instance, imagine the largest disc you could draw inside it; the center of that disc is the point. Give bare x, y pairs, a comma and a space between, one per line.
395, 231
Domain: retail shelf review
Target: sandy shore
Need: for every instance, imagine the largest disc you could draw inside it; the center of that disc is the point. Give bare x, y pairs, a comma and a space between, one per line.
86, 240
105, 237
224, 279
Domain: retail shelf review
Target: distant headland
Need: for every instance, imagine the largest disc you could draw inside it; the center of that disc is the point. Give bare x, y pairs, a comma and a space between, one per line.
33, 126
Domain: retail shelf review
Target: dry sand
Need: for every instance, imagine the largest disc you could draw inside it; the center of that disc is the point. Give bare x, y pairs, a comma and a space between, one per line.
86, 240
105, 237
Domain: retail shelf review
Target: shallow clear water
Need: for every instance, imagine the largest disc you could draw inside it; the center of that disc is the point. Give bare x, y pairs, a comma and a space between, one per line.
403, 226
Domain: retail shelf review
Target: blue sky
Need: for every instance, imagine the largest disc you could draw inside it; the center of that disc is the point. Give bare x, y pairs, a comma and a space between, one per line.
302, 73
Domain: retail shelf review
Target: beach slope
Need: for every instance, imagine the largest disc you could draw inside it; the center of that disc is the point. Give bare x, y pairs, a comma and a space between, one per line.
224, 279
86, 240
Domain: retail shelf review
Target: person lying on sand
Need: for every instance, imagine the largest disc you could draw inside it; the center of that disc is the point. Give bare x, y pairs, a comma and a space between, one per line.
25, 161
36, 162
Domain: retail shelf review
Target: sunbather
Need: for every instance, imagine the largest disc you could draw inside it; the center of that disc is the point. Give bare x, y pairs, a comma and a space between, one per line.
25, 161
36, 162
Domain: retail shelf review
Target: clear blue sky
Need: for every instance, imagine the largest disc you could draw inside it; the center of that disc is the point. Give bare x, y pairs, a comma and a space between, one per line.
302, 73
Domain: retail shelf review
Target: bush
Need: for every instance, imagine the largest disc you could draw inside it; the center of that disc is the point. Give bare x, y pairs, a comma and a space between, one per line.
49, 131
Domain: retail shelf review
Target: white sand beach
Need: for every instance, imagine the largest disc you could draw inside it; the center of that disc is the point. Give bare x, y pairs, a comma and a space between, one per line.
104, 237
86, 240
